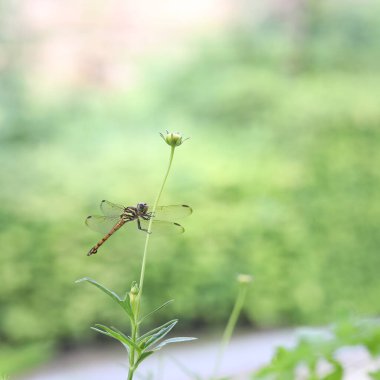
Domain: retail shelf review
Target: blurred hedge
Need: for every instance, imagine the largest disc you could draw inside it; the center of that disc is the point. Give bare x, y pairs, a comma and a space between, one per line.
281, 171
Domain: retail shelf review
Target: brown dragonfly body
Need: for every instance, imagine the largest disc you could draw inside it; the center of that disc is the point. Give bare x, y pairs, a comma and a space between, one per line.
115, 216
95, 248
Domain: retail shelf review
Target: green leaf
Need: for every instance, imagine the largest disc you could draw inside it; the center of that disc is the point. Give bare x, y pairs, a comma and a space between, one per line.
375, 375
152, 339
172, 340
143, 338
142, 357
155, 310
338, 371
124, 303
110, 293
284, 363
116, 334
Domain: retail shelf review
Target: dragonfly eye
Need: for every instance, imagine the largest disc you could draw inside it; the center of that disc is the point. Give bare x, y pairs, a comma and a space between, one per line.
142, 207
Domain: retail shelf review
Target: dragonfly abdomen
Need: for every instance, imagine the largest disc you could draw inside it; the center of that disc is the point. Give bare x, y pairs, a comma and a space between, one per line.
95, 248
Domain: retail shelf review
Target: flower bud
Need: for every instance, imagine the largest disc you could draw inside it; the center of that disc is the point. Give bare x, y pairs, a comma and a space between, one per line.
173, 138
133, 293
244, 279
135, 289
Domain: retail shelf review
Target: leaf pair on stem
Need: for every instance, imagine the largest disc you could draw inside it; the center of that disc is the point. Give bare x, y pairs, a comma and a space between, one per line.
146, 344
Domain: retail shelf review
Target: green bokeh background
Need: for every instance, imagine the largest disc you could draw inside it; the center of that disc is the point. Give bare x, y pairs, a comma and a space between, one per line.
282, 170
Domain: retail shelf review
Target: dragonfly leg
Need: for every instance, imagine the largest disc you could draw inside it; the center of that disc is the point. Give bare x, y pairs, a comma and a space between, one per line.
140, 228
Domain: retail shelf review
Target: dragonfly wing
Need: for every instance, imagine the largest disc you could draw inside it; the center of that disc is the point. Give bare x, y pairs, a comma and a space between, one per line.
102, 224
172, 212
111, 209
163, 227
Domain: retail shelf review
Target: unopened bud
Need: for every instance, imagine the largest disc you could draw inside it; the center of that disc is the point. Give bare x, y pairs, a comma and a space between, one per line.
173, 138
244, 278
135, 289
133, 293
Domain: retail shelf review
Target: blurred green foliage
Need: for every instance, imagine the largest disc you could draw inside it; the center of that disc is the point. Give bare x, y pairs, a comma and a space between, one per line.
317, 352
281, 171
14, 360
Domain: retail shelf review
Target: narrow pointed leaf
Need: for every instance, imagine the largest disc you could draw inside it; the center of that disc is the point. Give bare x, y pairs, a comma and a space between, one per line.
146, 336
109, 335
124, 303
110, 293
159, 335
172, 340
155, 310
116, 334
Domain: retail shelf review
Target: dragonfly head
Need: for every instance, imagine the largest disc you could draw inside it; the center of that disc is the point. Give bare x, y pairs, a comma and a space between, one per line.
142, 208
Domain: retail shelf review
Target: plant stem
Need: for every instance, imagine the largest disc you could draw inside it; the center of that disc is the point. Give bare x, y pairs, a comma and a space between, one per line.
130, 374
230, 327
135, 325
149, 230
132, 352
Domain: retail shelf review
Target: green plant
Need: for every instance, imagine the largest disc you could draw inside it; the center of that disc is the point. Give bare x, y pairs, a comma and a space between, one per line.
140, 347
375, 375
244, 280
15, 359
311, 350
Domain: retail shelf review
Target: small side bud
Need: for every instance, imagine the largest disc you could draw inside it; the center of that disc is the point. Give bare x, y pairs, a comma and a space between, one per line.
135, 289
244, 278
173, 139
133, 294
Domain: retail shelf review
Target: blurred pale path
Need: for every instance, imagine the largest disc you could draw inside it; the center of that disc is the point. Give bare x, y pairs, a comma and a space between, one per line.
246, 353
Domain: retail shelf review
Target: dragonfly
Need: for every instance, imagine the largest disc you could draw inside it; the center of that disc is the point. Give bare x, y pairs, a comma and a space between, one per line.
116, 216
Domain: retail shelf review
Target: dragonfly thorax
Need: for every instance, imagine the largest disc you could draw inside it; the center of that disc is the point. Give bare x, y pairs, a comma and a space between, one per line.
142, 208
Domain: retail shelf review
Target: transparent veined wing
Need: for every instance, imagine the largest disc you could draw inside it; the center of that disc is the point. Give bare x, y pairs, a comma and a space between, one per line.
163, 227
103, 224
172, 212
111, 209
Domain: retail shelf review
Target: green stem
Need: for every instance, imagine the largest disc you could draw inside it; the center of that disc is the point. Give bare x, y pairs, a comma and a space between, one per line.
132, 352
230, 327
135, 325
149, 231
130, 374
